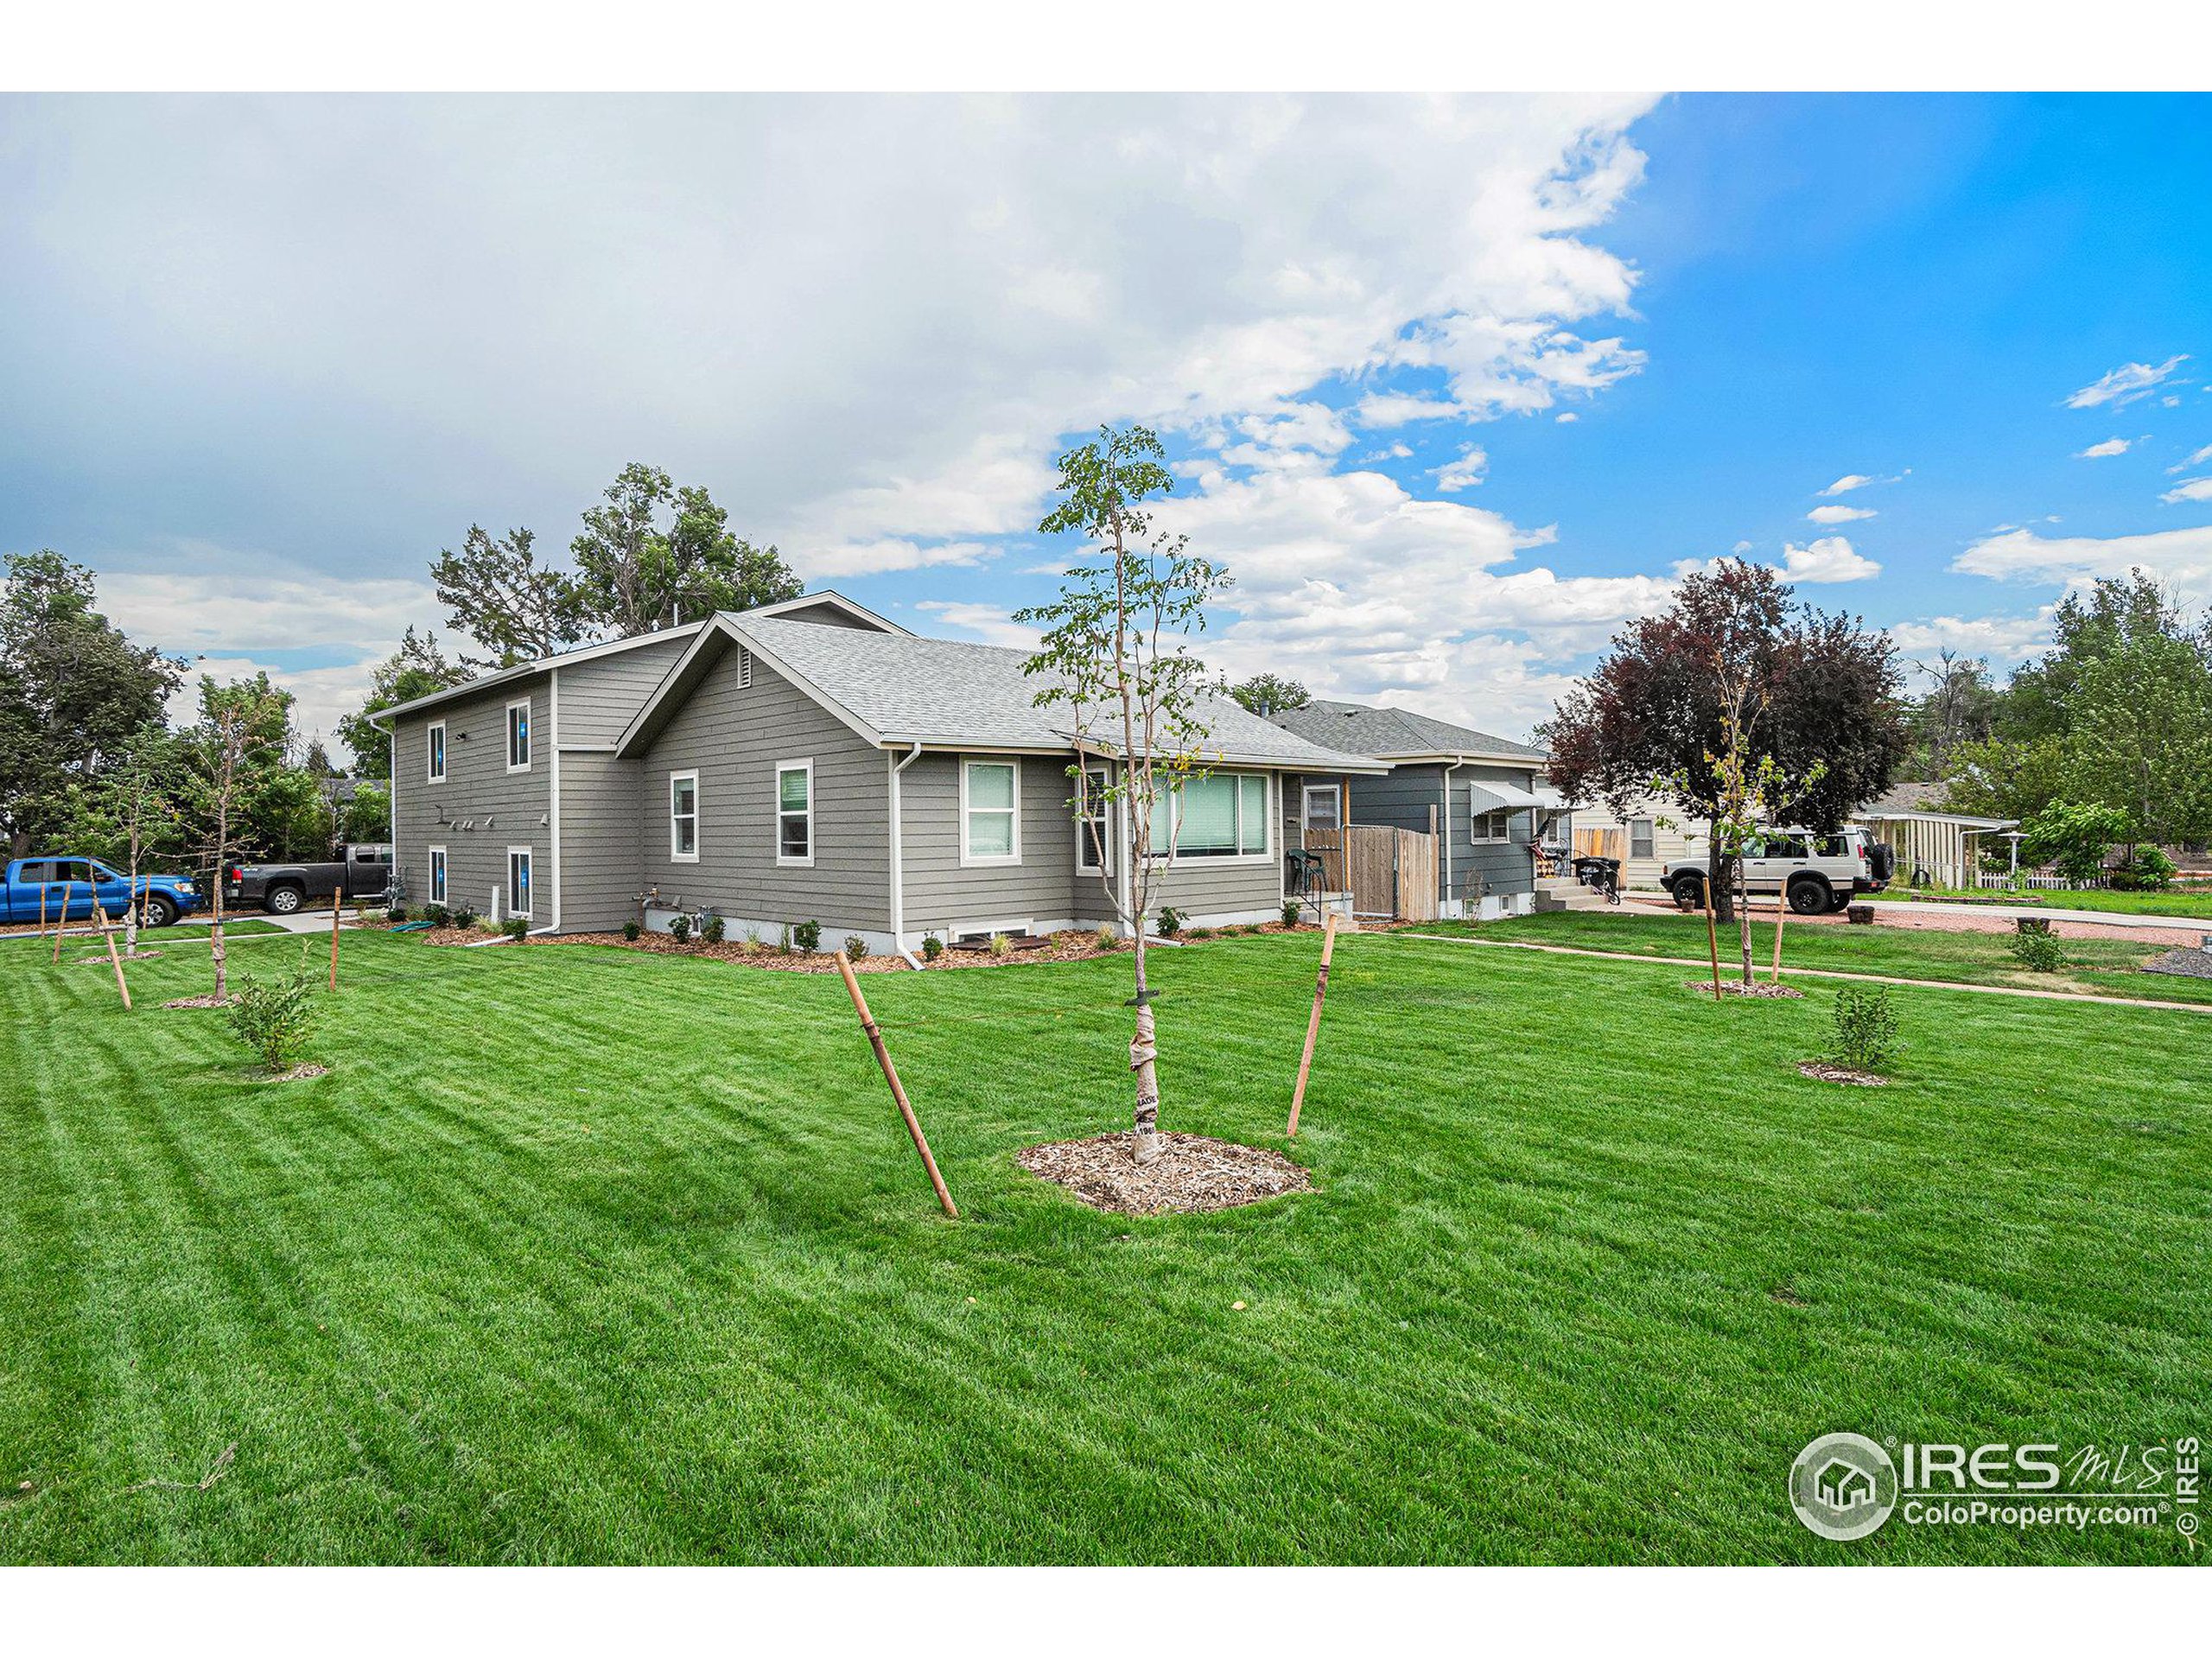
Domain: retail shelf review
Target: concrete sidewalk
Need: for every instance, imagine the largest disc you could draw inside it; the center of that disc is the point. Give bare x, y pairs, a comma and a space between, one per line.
1967, 918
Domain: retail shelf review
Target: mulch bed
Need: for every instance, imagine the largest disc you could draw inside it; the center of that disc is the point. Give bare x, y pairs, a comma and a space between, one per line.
100, 961
1073, 944
205, 1000
457, 936
1192, 1172
1825, 1071
2189, 963
300, 1073
1736, 988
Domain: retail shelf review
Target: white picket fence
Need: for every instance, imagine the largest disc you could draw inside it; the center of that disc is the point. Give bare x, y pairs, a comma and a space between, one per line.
2054, 883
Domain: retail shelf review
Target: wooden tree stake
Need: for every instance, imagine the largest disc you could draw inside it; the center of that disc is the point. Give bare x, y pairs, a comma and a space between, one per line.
898, 1089
62, 925
1312, 1020
337, 901
1712, 933
1781, 911
108, 933
42, 910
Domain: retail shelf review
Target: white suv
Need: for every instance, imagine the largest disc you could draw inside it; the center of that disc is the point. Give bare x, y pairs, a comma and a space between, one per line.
1817, 871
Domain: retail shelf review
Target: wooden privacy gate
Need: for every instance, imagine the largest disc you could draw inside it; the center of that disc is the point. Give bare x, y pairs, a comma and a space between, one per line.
1390, 873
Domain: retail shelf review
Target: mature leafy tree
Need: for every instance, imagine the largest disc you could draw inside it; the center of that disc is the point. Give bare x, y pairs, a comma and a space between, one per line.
499, 594
367, 815
653, 556
2114, 614
73, 691
415, 670
1960, 707
1270, 694
1114, 653
2140, 736
2003, 778
2074, 839
1820, 702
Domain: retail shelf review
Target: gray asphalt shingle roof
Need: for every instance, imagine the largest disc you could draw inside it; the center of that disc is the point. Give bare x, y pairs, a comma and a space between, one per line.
912, 689
1387, 732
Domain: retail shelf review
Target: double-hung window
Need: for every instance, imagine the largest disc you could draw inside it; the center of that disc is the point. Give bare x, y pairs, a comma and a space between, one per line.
517, 881
795, 812
518, 735
1094, 824
1639, 837
990, 794
683, 817
436, 772
1223, 815
437, 875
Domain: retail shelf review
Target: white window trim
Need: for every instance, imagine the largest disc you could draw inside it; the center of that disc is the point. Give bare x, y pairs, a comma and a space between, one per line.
1306, 807
692, 857
1650, 836
776, 814
1473, 817
960, 930
977, 860
434, 751
1266, 855
1083, 843
511, 884
529, 737
439, 863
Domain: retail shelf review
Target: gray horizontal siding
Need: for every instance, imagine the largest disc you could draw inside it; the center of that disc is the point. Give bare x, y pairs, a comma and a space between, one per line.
735, 735
602, 871
478, 787
600, 698
1412, 798
1493, 866
943, 895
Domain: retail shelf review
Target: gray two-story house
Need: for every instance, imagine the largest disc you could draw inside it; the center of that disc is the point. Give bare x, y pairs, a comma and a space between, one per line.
1484, 798
809, 761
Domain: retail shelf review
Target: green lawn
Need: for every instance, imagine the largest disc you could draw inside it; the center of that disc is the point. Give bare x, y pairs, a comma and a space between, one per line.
151, 938
2176, 902
585, 1254
2101, 966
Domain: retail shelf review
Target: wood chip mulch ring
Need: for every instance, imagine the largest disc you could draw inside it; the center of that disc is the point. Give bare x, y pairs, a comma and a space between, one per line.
1825, 1071
207, 999
1193, 1172
1736, 988
299, 1073
100, 961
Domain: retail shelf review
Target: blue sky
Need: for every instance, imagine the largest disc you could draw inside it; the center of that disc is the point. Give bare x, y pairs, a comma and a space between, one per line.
1454, 388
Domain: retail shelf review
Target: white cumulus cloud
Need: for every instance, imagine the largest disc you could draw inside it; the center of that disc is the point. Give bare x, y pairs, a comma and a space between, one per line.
1839, 515
2181, 558
1847, 482
1463, 472
2098, 451
2194, 489
1831, 558
2197, 459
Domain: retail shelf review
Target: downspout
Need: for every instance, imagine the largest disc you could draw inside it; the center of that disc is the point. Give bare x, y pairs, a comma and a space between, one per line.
1448, 770
898, 862
553, 813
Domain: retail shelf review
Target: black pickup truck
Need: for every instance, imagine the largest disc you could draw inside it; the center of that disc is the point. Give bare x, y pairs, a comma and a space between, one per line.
361, 871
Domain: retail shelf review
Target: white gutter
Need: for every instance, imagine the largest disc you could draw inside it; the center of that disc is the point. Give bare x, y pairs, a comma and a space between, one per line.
898, 863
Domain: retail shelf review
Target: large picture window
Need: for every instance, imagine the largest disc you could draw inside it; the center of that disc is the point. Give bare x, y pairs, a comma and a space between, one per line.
991, 798
517, 881
1221, 816
795, 812
518, 735
683, 817
436, 772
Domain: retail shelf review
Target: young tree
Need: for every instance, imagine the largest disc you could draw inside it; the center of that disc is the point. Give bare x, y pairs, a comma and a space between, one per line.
1822, 692
497, 595
129, 810
415, 670
238, 724
1269, 693
1115, 654
2074, 840
73, 691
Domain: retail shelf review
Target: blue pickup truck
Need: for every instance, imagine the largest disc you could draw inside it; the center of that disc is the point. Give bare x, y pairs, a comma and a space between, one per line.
31, 881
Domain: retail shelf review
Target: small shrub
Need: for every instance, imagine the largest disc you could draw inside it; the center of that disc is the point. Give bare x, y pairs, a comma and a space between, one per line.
2036, 947
715, 930
1290, 913
1103, 939
273, 1017
807, 936
630, 931
1202, 932
932, 947
783, 942
1000, 945
465, 917
2149, 870
515, 927
1171, 921
1865, 1028
681, 927
436, 915
395, 914
855, 947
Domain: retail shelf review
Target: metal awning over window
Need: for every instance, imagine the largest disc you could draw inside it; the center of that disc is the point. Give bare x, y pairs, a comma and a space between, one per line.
1490, 796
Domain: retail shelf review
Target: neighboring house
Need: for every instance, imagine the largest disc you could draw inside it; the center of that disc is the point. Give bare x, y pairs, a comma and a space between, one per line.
1482, 795
806, 761
1640, 838
1932, 845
